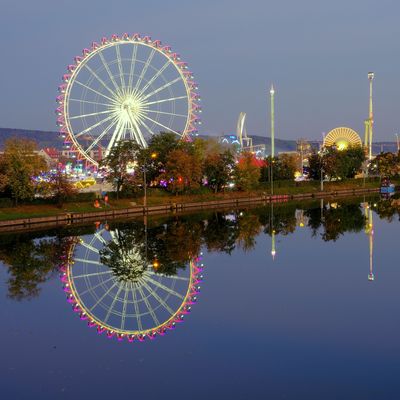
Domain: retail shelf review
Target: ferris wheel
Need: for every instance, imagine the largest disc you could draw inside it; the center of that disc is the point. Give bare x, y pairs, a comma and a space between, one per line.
120, 292
125, 88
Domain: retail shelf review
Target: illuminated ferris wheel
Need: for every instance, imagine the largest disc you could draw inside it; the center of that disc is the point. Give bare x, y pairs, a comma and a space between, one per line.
113, 286
125, 88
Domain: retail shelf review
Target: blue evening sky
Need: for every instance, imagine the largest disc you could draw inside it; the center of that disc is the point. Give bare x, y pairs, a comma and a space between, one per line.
316, 52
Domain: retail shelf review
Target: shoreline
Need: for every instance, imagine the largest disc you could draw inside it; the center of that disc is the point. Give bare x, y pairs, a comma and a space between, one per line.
170, 208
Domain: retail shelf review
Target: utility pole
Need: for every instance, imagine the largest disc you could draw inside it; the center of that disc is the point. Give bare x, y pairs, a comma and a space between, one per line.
398, 142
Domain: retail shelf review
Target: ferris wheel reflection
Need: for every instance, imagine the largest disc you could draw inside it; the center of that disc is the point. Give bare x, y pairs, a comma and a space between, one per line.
112, 285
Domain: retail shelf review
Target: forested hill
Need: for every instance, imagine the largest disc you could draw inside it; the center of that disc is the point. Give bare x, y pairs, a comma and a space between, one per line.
42, 138
52, 139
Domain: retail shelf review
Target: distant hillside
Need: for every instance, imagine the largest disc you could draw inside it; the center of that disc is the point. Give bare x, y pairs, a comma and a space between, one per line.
43, 138
51, 139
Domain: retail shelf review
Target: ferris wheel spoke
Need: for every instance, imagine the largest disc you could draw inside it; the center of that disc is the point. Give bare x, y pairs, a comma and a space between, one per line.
163, 287
165, 100
163, 126
179, 278
144, 70
90, 102
158, 298
115, 298
82, 260
94, 91
136, 130
168, 84
148, 305
155, 76
96, 286
115, 136
167, 113
106, 293
99, 79
94, 143
99, 237
107, 68
132, 67
94, 126
141, 122
137, 312
90, 247
123, 316
91, 114
121, 71
92, 274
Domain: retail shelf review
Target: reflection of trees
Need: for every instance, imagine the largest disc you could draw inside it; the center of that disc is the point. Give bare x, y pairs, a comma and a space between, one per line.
220, 232
336, 221
31, 259
125, 254
388, 208
30, 262
249, 227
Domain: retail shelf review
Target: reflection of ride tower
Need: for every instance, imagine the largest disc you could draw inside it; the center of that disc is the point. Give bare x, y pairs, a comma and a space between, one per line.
272, 228
301, 219
369, 230
112, 286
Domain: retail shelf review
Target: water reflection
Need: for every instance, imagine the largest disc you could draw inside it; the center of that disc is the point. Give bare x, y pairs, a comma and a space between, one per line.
137, 279
111, 283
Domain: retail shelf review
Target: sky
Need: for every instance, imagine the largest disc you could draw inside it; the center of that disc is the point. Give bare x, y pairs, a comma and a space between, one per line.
317, 53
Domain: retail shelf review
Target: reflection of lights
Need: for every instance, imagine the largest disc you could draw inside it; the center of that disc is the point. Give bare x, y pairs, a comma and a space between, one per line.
371, 277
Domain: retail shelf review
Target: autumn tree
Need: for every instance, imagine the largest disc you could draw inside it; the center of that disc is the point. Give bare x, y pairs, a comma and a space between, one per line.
19, 164
120, 164
182, 171
247, 172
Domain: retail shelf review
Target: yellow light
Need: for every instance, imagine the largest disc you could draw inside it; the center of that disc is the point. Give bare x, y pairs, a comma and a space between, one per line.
342, 145
153, 155
156, 264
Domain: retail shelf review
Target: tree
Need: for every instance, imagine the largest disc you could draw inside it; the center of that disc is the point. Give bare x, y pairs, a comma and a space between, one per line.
183, 170
60, 187
162, 145
218, 168
120, 164
337, 164
386, 164
247, 172
19, 165
284, 168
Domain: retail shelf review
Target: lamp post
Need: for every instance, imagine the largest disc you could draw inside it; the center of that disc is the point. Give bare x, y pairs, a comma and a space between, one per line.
398, 142
153, 156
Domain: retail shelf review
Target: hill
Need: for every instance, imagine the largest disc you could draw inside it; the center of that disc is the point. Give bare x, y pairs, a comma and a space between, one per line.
51, 139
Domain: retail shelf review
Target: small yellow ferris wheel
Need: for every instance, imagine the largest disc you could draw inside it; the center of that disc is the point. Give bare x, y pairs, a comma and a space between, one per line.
342, 137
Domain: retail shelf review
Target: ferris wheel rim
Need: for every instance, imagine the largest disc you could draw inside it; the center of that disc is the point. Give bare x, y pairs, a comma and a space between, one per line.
169, 59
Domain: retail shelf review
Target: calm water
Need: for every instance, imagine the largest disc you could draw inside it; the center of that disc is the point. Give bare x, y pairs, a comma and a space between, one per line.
320, 321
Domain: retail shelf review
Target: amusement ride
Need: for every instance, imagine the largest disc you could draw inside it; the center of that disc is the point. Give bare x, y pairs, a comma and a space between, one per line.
125, 87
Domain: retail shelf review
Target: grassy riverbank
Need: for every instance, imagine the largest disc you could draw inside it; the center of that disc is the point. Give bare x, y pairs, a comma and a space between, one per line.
160, 197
